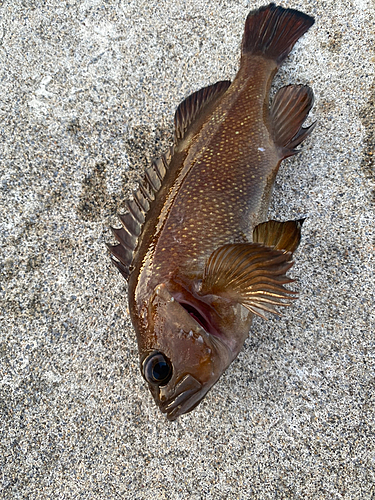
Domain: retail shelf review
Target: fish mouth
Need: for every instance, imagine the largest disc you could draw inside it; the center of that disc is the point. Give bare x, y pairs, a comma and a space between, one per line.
186, 396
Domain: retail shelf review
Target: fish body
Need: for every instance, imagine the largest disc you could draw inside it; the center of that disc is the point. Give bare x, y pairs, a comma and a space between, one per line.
198, 256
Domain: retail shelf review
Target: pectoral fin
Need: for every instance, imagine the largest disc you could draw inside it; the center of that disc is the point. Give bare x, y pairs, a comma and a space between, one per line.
249, 274
280, 235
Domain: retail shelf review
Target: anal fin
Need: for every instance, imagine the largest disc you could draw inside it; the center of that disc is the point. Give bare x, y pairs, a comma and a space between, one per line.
279, 235
289, 110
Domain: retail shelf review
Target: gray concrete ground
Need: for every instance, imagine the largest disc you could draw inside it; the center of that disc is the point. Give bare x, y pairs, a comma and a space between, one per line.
87, 96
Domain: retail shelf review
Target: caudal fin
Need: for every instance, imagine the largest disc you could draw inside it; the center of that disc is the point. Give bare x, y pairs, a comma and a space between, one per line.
272, 31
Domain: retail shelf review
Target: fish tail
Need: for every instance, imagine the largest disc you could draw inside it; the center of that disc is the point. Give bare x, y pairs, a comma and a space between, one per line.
272, 31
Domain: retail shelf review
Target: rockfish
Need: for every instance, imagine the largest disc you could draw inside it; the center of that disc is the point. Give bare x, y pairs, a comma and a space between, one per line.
199, 258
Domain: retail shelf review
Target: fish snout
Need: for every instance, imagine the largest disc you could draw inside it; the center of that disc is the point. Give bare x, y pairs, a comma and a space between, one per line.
176, 399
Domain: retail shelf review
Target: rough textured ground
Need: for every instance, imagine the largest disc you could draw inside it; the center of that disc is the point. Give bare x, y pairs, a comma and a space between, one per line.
87, 96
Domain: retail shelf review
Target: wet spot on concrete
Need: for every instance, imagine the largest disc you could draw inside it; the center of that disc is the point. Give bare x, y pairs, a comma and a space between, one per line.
95, 201
142, 147
35, 261
53, 199
367, 116
333, 42
8, 270
326, 106
147, 143
73, 126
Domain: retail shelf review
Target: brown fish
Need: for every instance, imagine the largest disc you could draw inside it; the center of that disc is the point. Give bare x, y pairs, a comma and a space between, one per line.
194, 247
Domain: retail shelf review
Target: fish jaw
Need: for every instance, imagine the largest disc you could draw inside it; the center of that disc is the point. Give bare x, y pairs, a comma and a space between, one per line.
197, 358
188, 393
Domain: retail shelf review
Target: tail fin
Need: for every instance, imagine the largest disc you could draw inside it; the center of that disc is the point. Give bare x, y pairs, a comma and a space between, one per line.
272, 31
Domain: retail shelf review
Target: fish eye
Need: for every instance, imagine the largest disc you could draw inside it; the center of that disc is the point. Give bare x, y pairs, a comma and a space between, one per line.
157, 369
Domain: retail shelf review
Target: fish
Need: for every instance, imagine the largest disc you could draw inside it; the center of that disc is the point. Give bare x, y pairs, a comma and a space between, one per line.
200, 257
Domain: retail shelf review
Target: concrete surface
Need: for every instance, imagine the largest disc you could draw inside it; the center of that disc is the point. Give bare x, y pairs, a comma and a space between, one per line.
87, 96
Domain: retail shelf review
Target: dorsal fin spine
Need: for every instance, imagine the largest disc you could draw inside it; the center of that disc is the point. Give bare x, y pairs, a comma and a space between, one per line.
124, 270
140, 205
134, 210
123, 254
145, 193
152, 180
133, 220
125, 238
130, 224
159, 168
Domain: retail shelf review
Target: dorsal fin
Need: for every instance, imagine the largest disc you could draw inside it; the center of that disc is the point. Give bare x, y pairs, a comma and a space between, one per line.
188, 111
138, 207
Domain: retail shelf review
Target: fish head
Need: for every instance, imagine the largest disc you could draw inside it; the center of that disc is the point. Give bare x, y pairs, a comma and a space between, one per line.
180, 360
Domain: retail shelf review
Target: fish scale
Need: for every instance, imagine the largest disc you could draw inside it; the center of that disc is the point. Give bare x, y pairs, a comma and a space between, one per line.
211, 185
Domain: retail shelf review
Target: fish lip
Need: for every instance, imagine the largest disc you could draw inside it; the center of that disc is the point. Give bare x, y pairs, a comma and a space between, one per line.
180, 402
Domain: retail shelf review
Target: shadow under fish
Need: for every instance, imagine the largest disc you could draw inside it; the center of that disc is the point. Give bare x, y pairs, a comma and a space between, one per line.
194, 247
